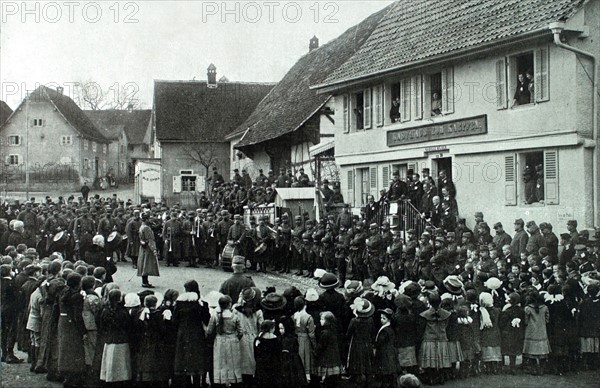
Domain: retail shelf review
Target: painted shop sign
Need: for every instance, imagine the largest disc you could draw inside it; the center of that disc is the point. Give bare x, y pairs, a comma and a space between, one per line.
457, 128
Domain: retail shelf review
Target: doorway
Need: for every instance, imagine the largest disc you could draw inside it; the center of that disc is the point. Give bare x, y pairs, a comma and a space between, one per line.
443, 164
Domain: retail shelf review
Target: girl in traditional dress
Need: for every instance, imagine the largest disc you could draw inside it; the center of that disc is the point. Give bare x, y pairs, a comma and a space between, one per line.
562, 329
227, 361
536, 346
466, 327
491, 353
512, 330
152, 369
305, 331
292, 370
452, 333
267, 351
116, 357
71, 331
329, 364
434, 354
589, 327
251, 318
360, 333
386, 365
406, 338
189, 317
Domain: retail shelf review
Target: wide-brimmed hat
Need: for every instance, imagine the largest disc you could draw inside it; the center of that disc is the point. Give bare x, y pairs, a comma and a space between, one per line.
410, 289
311, 295
453, 284
273, 301
353, 287
383, 284
251, 295
493, 283
328, 281
402, 301
361, 307
429, 287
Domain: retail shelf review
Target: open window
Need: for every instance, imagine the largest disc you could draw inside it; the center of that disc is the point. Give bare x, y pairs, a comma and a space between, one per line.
523, 79
532, 178
358, 111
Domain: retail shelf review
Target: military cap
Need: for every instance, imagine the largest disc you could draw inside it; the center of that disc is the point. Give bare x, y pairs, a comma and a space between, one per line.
396, 173
519, 221
498, 225
237, 217
373, 226
238, 260
531, 224
479, 214
572, 223
298, 218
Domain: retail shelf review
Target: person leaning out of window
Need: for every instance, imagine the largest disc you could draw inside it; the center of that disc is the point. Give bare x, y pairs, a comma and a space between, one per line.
522, 94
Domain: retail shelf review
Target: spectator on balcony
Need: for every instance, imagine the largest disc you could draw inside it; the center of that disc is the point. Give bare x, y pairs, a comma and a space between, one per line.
326, 191
260, 178
398, 189
395, 110
529, 79
282, 179
246, 180
303, 179
522, 94
436, 104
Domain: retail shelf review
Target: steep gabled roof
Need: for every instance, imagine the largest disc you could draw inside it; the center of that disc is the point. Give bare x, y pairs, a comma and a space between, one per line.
291, 103
114, 121
191, 111
5, 112
417, 30
71, 112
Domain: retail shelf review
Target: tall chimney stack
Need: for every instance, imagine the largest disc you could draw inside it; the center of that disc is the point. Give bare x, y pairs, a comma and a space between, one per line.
212, 76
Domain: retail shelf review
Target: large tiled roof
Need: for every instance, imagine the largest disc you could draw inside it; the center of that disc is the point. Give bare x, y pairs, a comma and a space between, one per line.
71, 112
292, 102
417, 30
5, 112
135, 123
191, 111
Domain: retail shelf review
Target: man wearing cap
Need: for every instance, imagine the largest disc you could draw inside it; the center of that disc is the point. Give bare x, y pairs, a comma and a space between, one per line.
501, 238
303, 179
375, 251
357, 252
132, 229
172, 232
282, 179
398, 189
572, 228
296, 247
326, 192
30, 222
551, 239
223, 230
337, 197
519, 242
217, 179
284, 234
238, 281
83, 232
536, 240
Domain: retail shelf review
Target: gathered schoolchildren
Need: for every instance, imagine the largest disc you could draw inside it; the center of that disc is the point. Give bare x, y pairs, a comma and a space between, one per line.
461, 303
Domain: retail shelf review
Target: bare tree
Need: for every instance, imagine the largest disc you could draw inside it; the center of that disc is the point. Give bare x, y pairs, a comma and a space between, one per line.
91, 95
206, 154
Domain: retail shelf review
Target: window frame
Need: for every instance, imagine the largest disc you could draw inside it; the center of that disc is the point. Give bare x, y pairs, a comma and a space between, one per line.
94, 146
66, 140
189, 178
18, 143
12, 158
38, 123
514, 186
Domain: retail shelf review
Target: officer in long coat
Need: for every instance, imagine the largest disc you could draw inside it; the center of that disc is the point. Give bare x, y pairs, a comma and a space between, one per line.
132, 229
147, 262
83, 231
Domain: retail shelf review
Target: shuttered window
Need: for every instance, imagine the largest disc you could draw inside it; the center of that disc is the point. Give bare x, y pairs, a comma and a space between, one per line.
367, 109
448, 90
350, 187
405, 100
177, 184
346, 121
541, 84
378, 104
551, 188
385, 176
510, 180
373, 179
417, 96
501, 96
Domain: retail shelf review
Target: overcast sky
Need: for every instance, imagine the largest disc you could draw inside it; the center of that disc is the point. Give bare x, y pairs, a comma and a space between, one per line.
135, 42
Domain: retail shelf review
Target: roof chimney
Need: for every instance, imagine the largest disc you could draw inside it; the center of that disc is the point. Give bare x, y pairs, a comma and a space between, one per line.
60, 90
130, 107
212, 76
314, 43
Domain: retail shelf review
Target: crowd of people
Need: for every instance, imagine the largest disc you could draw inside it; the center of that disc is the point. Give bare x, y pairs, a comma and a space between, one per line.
447, 303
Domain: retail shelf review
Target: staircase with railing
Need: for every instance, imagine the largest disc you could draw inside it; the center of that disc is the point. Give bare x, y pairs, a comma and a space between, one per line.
403, 215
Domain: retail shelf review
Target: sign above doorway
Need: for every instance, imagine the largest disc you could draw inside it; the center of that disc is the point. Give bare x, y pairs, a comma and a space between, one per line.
450, 129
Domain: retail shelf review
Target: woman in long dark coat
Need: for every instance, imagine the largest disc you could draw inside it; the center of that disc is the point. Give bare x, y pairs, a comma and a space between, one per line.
562, 329
71, 330
512, 329
147, 262
190, 316
385, 361
152, 365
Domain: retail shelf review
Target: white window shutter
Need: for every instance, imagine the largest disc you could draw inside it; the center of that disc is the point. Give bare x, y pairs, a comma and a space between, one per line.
405, 99
448, 90
346, 121
378, 102
501, 97
177, 184
350, 188
417, 96
510, 180
367, 109
385, 177
551, 187
541, 80
373, 178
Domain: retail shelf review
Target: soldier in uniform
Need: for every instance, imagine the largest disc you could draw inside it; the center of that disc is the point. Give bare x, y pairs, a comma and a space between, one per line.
357, 252
296, 248
282, 179
328, 249
398, 189
105, 228
172, 233
217, 179
317, 248
326, 191
83, 232
237, 232
303, 179
260, 179
238, 281
132, 231
308, 254
386, 234
120, 224
395, 267
264, 236
424, 254
337, 196
237, 178
211, 241
223, 229
285, 243
551, 239
52, 226
187, 240
375, 250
